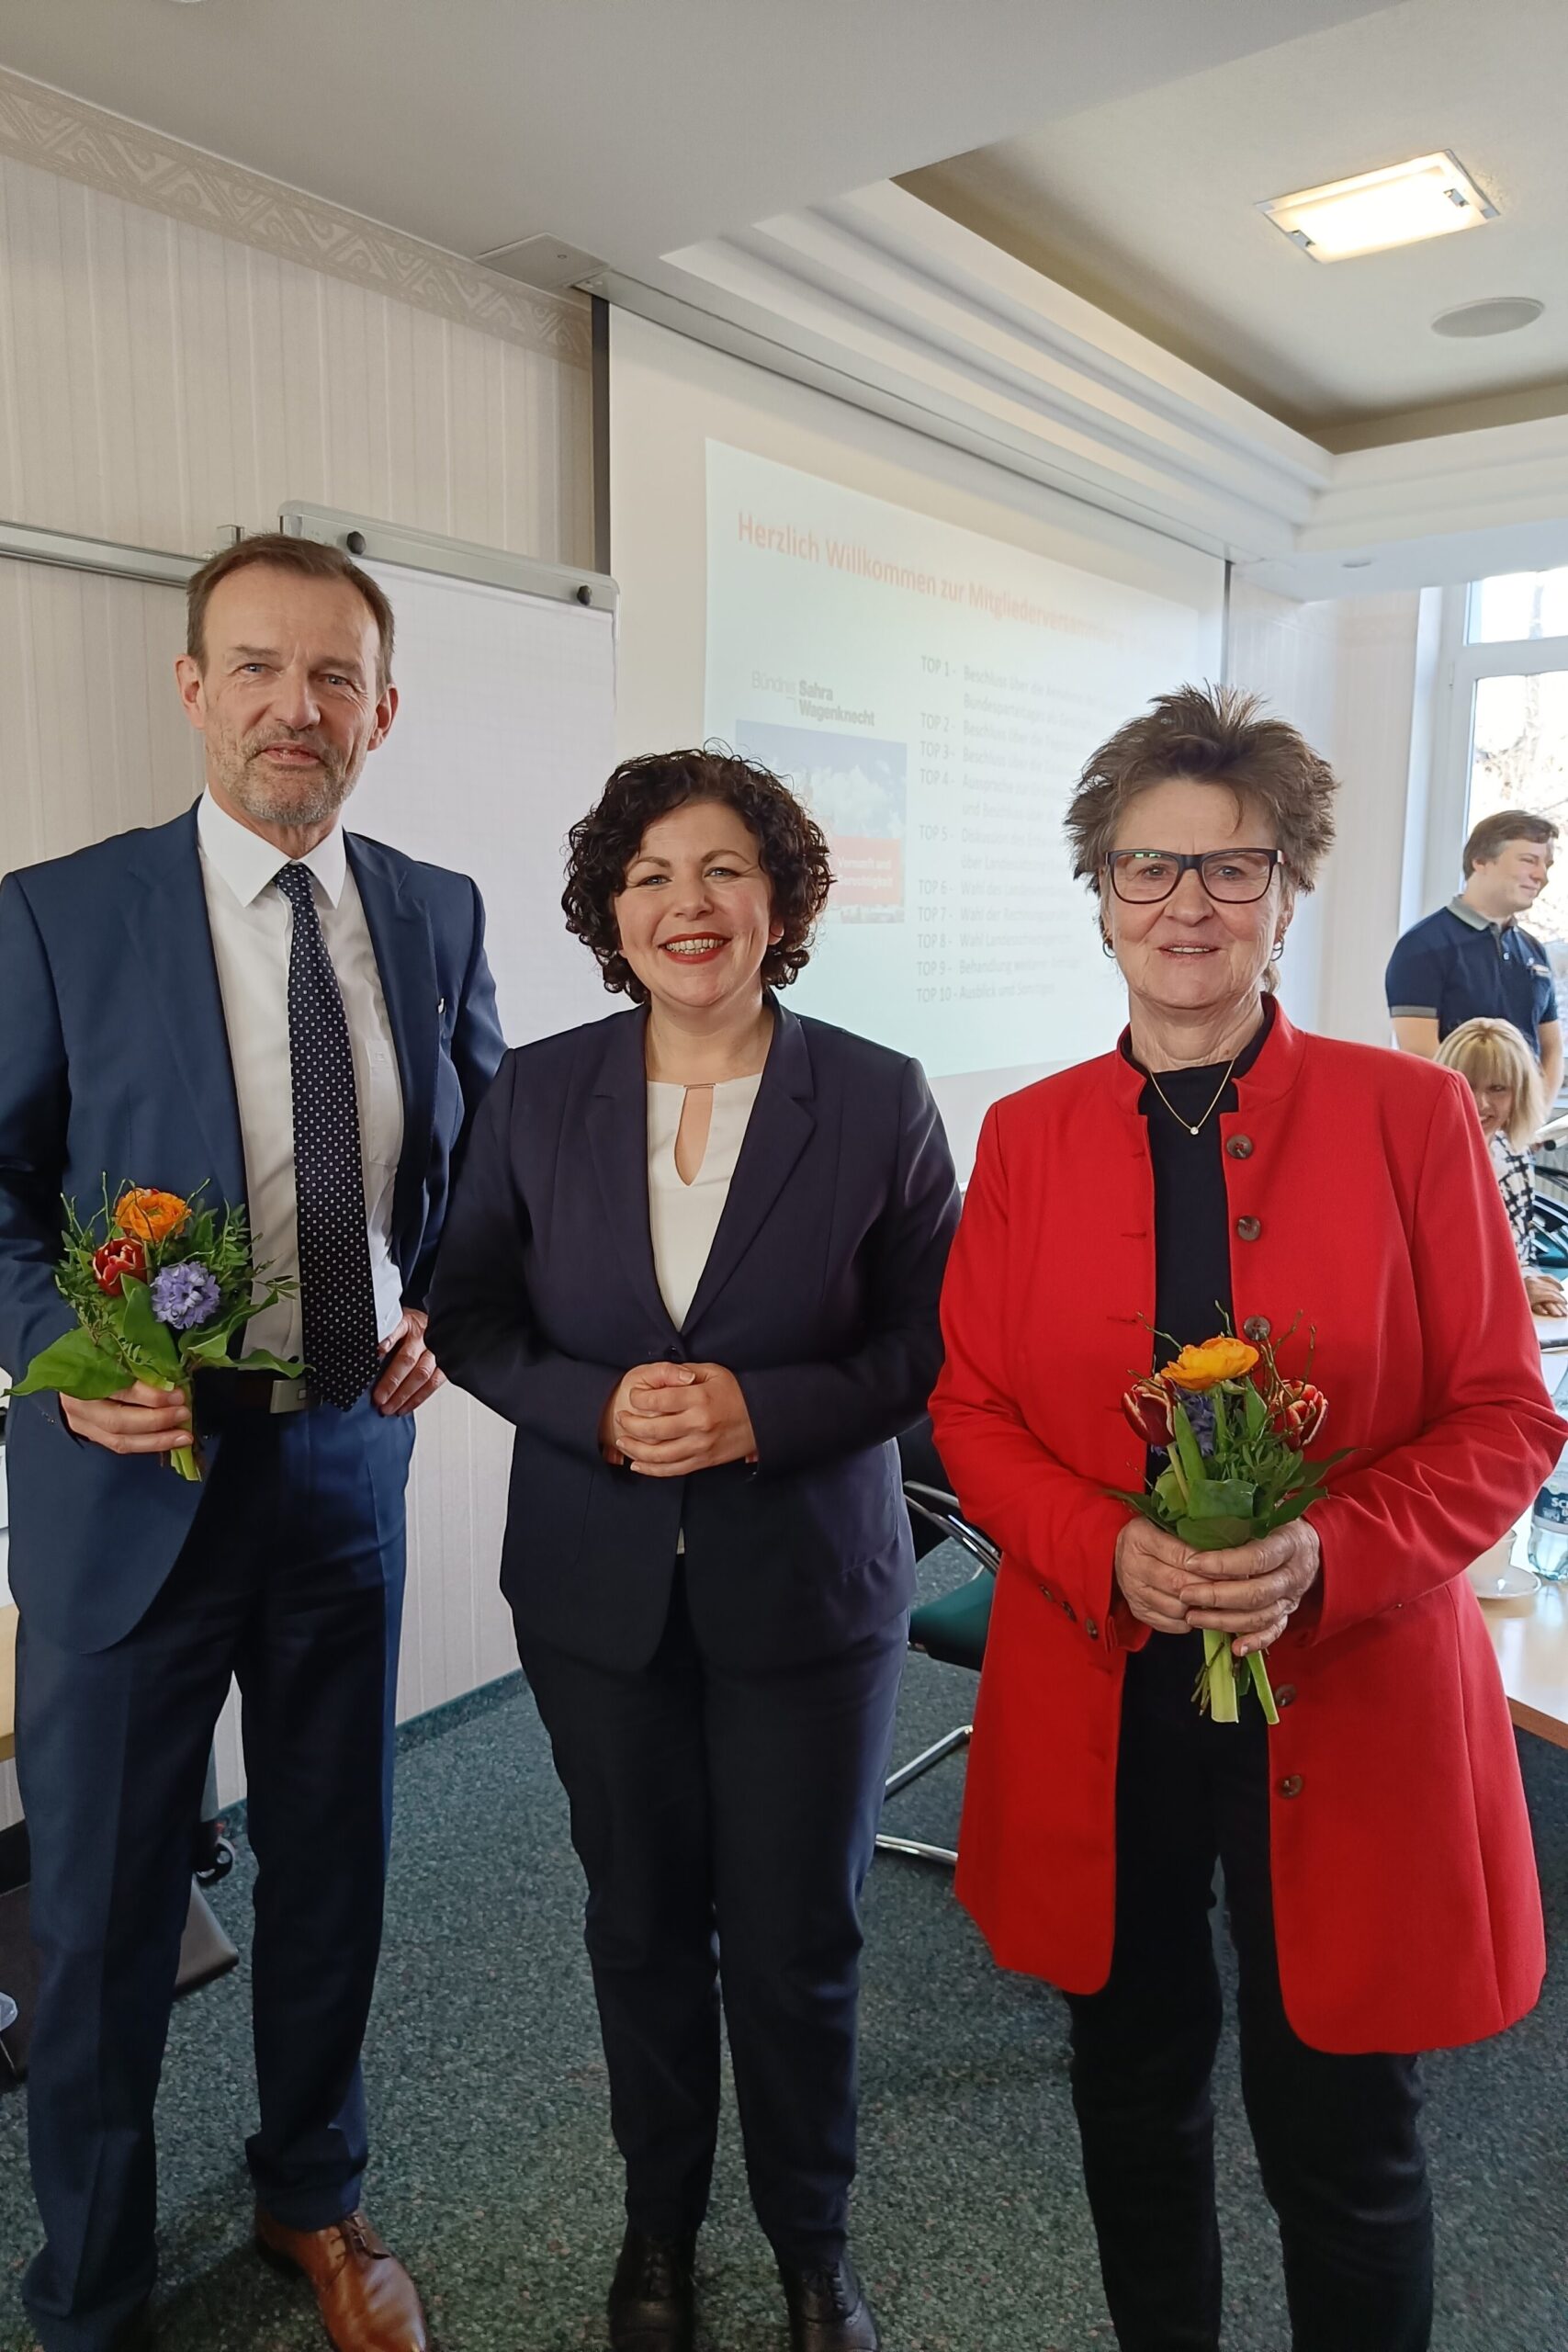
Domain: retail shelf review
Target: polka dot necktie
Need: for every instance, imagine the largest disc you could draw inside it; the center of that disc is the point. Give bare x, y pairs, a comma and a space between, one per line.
337, 1295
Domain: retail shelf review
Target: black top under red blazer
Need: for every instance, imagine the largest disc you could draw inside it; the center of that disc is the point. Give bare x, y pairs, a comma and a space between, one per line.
819, 1294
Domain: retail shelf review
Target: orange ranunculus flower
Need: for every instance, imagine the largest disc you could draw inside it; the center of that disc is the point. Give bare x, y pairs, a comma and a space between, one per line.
151, 1216
1218, 1359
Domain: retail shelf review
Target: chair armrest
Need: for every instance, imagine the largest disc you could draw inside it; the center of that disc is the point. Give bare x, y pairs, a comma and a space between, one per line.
941, 1510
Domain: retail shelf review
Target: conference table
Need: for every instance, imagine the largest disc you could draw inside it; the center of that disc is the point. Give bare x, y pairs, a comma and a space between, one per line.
1531, 1634
1531, 1638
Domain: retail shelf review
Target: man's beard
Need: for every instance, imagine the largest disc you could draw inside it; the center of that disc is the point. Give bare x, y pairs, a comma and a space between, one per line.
302, 796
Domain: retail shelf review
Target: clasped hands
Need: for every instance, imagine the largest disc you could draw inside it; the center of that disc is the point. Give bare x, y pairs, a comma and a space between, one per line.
668, 1419
1249, 1593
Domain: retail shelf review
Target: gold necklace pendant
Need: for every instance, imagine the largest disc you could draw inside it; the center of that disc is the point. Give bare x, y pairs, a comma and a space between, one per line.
1213, 1107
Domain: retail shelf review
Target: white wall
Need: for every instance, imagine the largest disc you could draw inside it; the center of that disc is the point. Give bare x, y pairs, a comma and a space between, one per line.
1345, 674
158, 381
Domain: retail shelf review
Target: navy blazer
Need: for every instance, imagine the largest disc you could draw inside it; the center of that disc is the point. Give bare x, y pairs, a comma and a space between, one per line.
819, 1294
115, 1064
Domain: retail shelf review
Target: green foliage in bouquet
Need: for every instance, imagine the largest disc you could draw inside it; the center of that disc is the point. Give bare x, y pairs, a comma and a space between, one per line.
159, 1286
1234, 1429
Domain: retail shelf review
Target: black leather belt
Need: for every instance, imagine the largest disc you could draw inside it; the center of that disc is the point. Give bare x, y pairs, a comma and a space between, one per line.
224, 1396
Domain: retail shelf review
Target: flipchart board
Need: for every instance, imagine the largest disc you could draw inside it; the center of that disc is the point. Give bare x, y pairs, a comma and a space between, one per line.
503, 738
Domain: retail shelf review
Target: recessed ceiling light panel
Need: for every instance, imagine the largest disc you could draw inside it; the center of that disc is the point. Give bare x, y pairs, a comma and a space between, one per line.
1432, 196
1499, 314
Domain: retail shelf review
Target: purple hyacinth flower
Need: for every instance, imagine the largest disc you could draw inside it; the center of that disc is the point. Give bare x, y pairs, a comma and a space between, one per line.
1201, 1413
185, 1295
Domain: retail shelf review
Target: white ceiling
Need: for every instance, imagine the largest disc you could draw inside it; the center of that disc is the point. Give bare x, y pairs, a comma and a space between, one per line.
1146, 206
626, 127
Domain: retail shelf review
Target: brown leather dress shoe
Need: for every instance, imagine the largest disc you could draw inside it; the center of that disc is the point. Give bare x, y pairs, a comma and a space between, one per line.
369, 2302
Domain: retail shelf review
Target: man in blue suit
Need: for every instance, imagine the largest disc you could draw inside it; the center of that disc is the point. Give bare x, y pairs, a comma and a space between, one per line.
250, 1001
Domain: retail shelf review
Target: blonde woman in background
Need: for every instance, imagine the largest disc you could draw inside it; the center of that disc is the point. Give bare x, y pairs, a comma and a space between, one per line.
1503, 1074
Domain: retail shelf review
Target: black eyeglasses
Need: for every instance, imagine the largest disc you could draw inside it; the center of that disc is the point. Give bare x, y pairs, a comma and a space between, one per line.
1234, 876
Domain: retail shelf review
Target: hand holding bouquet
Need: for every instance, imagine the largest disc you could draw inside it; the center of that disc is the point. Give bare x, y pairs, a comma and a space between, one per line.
159, 1286
1234, 1437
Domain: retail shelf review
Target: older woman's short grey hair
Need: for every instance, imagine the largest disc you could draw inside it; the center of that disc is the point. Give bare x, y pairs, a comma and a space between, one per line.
1212, 735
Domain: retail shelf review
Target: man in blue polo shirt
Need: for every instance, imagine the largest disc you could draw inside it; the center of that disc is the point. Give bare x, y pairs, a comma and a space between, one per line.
1472, 957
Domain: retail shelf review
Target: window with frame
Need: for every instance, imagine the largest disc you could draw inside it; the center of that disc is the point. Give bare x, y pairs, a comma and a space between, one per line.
1510, 679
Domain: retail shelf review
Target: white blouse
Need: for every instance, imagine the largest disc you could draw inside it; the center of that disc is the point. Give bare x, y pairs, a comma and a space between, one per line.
685, 1217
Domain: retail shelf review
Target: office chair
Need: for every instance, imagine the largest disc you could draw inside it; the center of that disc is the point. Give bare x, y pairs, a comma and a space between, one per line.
951, 1628
1551, 1233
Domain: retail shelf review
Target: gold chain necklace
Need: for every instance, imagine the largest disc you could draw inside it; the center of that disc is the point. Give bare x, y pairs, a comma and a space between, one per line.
1214, 1105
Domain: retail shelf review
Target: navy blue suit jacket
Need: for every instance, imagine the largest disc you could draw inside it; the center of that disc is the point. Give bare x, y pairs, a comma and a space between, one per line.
819, 1294
115, 1064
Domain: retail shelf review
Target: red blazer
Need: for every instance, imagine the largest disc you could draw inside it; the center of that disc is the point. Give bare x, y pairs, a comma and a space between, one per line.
1362, 1197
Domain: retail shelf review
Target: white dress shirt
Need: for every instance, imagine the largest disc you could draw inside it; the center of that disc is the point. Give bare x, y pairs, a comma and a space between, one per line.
252, 927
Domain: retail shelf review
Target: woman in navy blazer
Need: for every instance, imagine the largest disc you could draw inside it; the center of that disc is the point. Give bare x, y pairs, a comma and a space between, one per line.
706, 1553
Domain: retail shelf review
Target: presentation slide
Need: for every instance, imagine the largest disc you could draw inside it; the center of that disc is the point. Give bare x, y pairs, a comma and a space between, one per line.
933, 694
928, 648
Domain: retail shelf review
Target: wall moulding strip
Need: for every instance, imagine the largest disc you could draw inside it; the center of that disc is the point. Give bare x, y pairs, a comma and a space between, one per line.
905, 306
758, 338
961, 286
63, 134
885, 303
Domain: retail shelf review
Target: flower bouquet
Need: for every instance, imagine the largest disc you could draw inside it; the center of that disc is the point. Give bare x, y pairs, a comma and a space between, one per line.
1234, 1437
160, 1286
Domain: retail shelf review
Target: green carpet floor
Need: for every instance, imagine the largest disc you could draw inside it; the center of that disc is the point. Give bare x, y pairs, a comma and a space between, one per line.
495, 2178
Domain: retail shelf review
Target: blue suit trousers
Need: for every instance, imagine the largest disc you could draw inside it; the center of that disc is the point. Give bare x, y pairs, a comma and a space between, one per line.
725, 1820
291, 1581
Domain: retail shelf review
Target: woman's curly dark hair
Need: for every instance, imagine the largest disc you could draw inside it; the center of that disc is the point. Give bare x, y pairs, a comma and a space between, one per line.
791, 851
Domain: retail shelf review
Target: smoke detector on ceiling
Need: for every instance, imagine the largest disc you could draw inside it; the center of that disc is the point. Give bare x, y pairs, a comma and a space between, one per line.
1499, 314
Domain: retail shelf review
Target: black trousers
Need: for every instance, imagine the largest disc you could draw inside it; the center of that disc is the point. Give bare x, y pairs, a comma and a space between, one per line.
292, 1581
1336, 2137
725, 1821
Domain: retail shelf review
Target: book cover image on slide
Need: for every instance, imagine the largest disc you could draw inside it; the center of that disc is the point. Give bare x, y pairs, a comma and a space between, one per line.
857, 790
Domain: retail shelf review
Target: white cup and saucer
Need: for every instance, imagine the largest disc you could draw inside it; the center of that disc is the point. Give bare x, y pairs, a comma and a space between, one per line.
1499, 1576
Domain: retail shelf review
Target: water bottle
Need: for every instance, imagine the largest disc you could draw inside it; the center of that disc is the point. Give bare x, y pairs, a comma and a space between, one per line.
1549, 1527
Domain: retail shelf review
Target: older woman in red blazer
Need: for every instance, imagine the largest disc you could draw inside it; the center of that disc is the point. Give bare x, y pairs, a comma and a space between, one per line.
1379, 1882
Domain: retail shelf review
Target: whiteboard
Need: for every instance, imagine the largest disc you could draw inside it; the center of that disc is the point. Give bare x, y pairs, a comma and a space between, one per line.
505, 735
